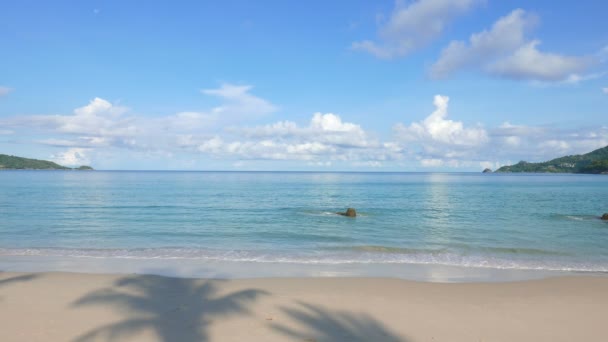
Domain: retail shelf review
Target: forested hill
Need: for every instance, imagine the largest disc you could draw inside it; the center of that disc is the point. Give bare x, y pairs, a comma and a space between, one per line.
17, 163
592, 162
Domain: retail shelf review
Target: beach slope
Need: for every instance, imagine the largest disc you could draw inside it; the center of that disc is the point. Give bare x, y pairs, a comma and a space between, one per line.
88, 307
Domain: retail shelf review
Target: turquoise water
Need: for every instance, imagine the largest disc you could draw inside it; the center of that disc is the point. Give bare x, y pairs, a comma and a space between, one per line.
503, 221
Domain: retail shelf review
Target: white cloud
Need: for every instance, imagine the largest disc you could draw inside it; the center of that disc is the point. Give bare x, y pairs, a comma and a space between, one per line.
105, 131
265, 149
320, 163
431, 162
327, 128
529, 63
437, 129
331, 122
520, 142
102, 124
98, 118
437, 142
505, 36
187, 121
239, 101
370, 163
5, 90
575, 78
413, 25
605, 90
560, 146
489, 165
512, 140
505, 51
72, 157
326, 138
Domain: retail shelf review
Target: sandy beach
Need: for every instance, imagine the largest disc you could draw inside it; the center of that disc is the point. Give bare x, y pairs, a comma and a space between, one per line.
98, 307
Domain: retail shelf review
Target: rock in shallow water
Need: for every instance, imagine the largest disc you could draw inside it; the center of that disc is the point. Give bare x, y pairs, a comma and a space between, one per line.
605, 217
350, 212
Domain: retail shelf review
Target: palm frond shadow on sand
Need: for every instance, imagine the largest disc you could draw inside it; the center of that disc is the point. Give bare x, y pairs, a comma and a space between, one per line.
173, 309
16, 279
319, 324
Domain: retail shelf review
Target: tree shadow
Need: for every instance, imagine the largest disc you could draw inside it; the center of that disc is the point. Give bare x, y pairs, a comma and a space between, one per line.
17, 279
320, 324
174, 309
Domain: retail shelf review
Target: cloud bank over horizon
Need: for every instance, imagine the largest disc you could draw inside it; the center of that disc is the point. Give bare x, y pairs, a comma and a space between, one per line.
101, 128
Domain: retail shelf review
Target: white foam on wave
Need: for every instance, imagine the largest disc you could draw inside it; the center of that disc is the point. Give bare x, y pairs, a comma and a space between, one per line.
576, 218
316, 258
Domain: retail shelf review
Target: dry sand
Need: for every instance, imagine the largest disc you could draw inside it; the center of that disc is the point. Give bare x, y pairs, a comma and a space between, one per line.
88, 307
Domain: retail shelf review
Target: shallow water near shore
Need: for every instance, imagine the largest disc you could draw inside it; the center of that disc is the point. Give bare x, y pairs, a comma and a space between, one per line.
273, 223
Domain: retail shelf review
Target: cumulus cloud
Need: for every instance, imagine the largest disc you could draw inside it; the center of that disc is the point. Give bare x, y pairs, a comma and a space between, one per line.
505, 51
437, 129
412, 26
327, 128
99, 117
102, 128
266, 149
5, 90
72, 157
327, 137
102, 123
438, 141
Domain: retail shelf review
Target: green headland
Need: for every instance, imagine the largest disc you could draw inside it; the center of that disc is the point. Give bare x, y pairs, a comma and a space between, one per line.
595, 162
8, 162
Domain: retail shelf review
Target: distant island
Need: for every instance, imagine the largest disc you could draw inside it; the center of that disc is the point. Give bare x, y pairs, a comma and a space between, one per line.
595, 162
18, 163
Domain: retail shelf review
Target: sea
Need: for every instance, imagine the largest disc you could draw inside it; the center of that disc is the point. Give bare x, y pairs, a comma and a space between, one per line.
445, 227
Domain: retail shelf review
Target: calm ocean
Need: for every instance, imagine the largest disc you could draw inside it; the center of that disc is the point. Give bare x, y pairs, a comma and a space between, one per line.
493, 221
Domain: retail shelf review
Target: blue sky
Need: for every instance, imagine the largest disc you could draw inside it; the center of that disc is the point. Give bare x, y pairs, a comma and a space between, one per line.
428, 85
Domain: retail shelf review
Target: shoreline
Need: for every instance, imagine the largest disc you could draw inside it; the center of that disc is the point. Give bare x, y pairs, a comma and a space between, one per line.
99, 307
214, 269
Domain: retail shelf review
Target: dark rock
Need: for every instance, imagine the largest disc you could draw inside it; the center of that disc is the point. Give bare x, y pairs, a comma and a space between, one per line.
487, 171
350, 212
605, 217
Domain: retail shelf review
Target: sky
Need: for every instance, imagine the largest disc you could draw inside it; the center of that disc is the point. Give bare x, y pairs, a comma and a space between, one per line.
368, 85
